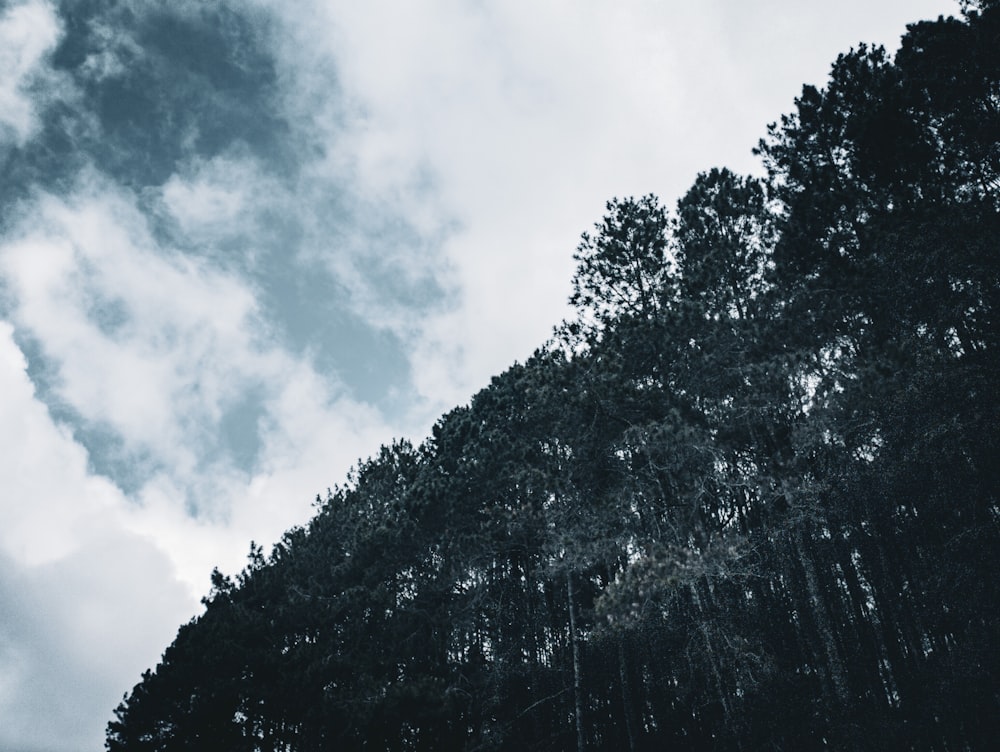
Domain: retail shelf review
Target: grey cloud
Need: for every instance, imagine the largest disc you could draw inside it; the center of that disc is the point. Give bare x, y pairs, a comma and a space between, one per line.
53, 645
153, 92
166, 86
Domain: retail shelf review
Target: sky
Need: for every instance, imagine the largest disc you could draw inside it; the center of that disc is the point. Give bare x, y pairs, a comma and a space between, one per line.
243, 244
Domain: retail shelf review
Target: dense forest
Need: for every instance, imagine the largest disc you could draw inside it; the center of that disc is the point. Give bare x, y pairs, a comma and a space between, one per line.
745, 498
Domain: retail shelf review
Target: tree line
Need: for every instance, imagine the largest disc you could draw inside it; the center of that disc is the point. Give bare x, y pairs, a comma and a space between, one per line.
745, 498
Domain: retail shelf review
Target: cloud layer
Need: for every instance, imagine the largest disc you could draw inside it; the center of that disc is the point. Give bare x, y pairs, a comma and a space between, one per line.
244, 243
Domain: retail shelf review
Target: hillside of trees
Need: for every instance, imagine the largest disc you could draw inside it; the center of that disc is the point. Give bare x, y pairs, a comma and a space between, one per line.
746, 498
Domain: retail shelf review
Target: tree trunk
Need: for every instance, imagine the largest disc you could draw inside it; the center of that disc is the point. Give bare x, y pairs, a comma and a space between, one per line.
823, 626
720, 686
577, 689
626, 696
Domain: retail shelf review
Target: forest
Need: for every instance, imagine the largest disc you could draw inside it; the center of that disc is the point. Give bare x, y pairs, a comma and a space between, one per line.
746, 497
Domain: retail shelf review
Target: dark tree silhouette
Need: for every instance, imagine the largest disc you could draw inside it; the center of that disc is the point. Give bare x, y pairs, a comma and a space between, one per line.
746, 499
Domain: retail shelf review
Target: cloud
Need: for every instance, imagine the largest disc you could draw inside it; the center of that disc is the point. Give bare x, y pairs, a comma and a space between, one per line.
88, 601
503, 131
156, 348
28, 32
243, 244
172, 336
504, 127
81, 629
213, 198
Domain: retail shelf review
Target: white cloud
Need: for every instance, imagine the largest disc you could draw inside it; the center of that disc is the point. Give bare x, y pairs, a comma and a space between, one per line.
146, 343
214, 197
226, 200
89, 602
510, 125
496, 132
153, 347
28, 32
33, 445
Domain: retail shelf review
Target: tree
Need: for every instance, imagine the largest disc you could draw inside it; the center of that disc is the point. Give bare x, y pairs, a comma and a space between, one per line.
623, 268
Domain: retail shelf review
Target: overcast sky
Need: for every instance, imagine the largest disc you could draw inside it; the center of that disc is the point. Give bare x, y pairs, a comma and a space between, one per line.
242, 244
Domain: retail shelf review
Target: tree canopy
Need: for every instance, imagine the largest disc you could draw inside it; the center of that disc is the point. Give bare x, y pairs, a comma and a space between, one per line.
746, 499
